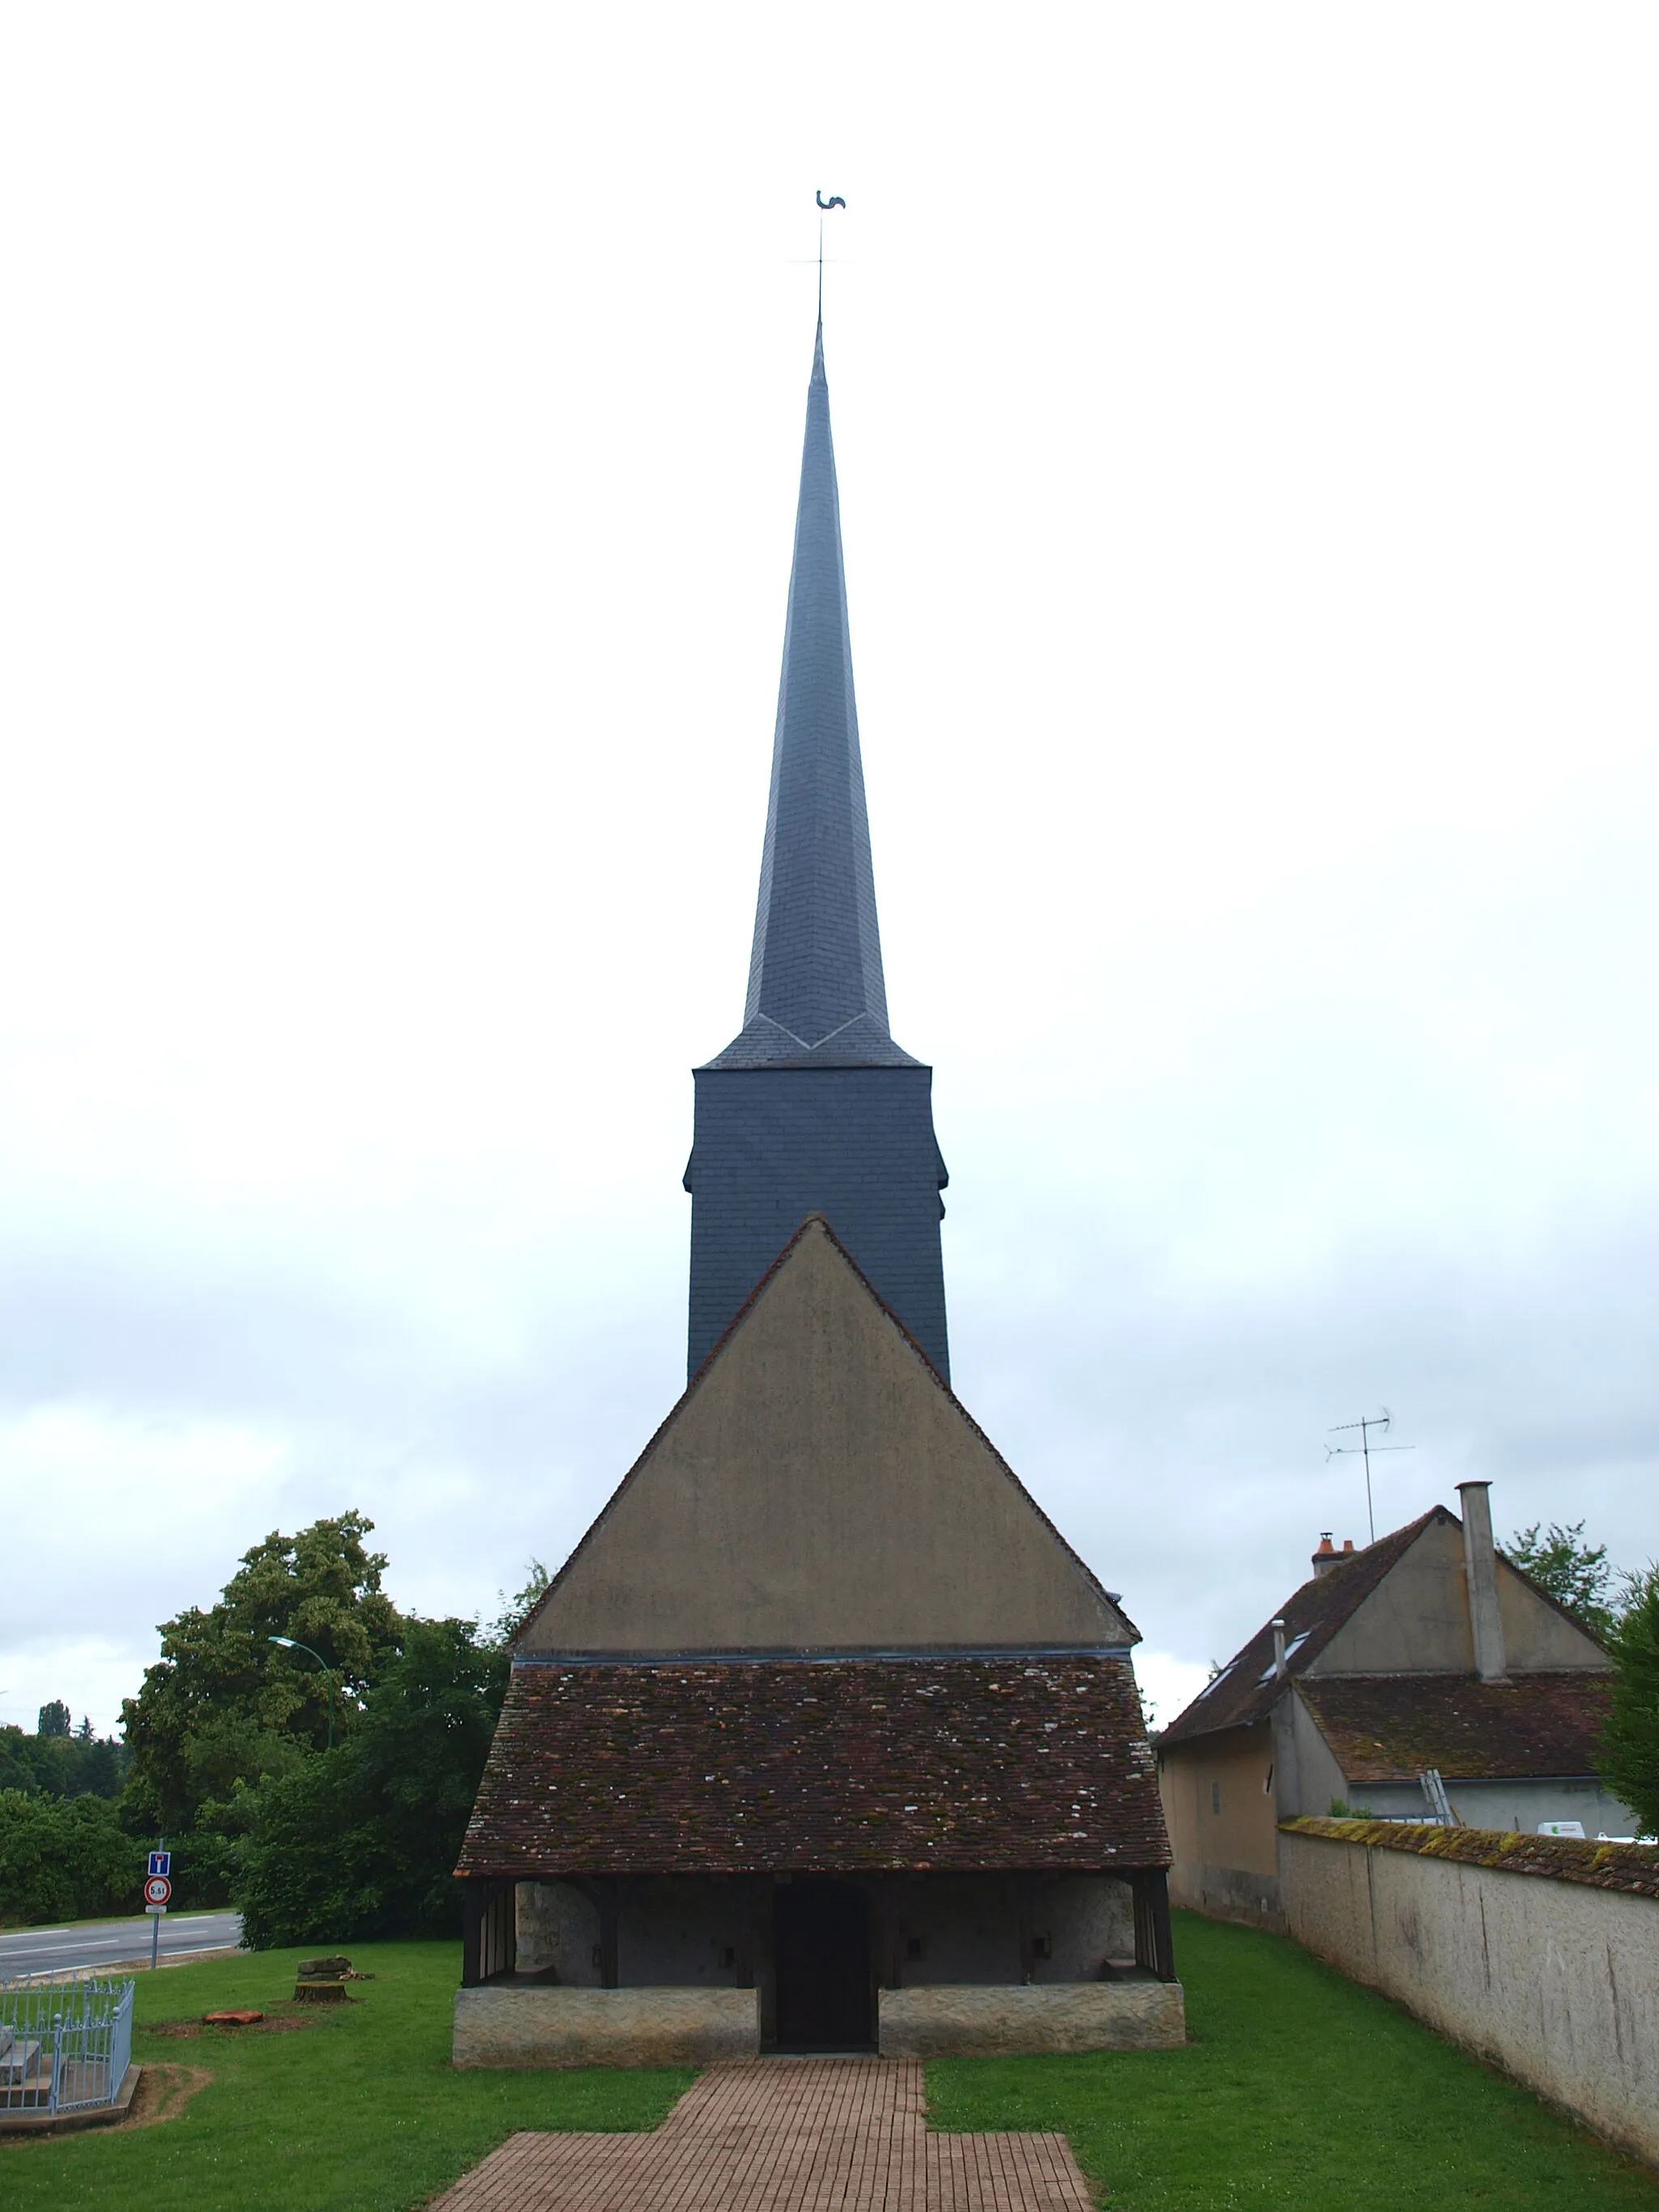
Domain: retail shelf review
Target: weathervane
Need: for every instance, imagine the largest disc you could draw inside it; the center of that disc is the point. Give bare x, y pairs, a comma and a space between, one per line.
834, 200
1366, 1447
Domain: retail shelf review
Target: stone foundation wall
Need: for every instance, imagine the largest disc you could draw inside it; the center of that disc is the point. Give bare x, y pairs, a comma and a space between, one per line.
948, 2020
501, 2025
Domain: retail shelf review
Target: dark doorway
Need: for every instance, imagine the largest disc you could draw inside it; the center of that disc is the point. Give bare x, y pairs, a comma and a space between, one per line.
820, 1947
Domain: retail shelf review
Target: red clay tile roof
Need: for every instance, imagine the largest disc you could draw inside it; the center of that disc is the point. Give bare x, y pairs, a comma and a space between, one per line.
1387, 1728
1633, 1867
1239, 1695
733, 1766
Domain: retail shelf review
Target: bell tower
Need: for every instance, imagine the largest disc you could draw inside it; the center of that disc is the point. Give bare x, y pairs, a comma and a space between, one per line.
812, 1108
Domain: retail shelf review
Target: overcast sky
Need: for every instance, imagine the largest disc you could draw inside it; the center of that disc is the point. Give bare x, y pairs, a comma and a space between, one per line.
1248, 465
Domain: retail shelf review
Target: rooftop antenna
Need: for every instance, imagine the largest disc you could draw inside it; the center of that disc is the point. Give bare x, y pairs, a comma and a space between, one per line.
834, 200
1366, 1447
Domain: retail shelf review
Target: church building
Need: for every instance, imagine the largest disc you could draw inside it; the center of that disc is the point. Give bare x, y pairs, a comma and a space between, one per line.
823, 1738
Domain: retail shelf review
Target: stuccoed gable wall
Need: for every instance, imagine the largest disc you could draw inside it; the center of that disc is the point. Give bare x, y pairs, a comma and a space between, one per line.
818, 1489
1417, 1621
1554, 1980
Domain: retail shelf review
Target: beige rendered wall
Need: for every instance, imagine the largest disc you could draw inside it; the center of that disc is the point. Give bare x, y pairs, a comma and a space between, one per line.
1418, 1619
1225, 1860
818, 1488
1556, 1982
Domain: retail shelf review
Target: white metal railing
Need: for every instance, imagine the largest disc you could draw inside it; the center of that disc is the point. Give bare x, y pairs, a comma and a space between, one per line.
65, 2043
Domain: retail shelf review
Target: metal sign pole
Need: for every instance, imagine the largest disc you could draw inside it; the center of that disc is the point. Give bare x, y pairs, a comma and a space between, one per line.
158, 1893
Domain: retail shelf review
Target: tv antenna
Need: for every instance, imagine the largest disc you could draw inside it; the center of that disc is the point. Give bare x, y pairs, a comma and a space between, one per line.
1364, 1447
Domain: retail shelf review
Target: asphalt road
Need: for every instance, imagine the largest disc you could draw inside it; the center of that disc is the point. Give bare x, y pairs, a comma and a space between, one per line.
104, 1942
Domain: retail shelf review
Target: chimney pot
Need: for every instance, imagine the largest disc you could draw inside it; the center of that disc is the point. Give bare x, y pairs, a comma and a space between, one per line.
1327, 1556
1347, 1545
1480, 1572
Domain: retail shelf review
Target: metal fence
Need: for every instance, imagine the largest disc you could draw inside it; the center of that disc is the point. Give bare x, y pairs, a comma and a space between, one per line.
66, 2045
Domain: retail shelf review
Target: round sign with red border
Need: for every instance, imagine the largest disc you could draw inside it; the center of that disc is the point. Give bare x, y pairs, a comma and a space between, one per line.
157, 1890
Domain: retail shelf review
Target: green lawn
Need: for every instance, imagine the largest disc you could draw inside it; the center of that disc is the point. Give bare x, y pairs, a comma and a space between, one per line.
360, 2114
1300, 2091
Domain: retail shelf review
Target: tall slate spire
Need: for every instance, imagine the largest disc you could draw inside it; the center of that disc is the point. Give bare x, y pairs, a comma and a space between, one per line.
812, 1108
816, 991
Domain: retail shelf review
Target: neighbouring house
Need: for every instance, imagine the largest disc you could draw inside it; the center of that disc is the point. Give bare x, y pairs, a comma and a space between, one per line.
823, 1737
1426, 1652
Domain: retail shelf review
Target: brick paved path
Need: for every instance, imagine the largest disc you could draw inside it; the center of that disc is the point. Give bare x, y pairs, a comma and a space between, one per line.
781, 2134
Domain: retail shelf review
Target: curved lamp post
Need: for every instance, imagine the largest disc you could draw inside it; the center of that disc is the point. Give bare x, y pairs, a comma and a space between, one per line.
293, 1644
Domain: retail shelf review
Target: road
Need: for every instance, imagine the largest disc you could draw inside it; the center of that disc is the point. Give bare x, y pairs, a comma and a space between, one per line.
102, 1943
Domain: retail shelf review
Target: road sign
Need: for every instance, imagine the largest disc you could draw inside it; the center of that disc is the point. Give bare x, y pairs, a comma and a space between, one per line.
158, 1890
160, 1863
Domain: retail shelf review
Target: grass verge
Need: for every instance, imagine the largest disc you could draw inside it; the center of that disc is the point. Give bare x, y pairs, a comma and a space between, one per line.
1300, 2091
357, 2112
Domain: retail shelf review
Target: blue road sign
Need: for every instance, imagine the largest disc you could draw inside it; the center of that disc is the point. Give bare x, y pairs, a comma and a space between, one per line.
160, 1863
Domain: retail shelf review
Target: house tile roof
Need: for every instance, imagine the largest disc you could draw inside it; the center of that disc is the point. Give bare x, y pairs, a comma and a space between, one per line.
1246, 1690
731, 1766
1387, 1728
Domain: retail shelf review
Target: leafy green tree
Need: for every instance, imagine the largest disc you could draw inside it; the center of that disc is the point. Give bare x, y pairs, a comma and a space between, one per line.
1574, 1572
513, 1609
78, 1766
54, 1719
224, 1707
363, 1841
1630, 1741
63, 1861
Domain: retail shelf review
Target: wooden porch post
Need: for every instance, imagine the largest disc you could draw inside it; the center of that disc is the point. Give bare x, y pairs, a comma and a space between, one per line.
609, 1902
472, 1933
1154, 1946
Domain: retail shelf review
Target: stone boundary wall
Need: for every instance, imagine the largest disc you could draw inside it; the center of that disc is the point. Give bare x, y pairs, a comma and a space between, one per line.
1539, 1954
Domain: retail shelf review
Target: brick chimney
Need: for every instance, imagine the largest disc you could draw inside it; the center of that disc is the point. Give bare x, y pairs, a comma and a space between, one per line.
1480, 1571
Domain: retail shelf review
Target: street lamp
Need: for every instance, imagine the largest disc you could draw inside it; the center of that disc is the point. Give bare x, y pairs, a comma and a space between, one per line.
293, 1644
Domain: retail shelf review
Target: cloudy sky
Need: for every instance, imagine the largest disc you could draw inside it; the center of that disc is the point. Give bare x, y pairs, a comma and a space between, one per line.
1249, 466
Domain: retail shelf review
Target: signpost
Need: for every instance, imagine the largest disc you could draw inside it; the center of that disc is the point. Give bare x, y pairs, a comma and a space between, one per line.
158, 1891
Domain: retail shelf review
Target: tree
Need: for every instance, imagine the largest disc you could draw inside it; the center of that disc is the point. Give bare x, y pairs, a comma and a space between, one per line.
64, 1861
224, 1706
1576, 1574
54, 1719
1630, 1741
363, 1841
513, 1609
59, 1765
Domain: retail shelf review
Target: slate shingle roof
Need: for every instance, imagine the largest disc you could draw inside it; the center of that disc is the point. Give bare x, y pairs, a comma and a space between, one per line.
817, 996
725, 1767
1387, 1728
1239, 1695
